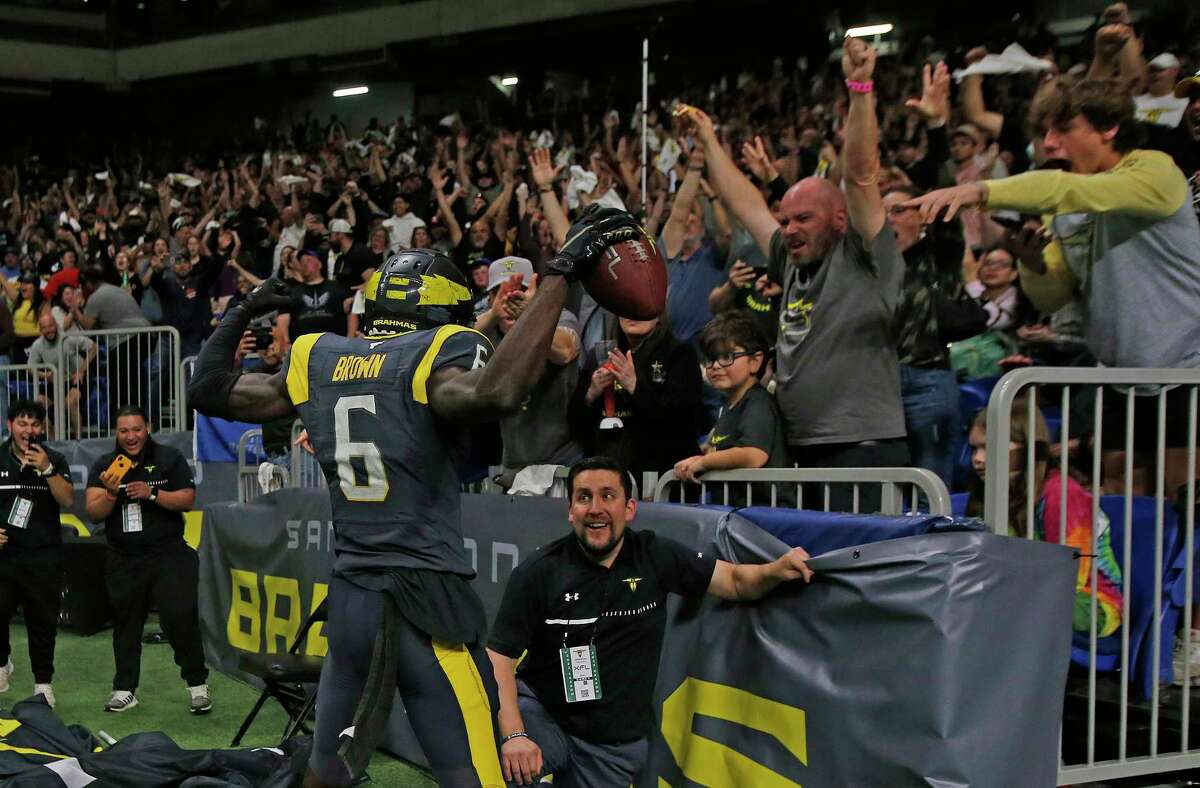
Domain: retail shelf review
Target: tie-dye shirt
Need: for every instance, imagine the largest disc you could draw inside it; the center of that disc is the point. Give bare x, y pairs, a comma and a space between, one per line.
1079, 536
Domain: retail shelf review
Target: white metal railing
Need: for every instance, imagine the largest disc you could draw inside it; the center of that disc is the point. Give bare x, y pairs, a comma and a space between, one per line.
786, 481
1172, 561
247, 470
40, 382
124, 367
305, 470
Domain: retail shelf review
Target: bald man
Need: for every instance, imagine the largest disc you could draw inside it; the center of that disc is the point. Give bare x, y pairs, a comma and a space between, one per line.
837, 373
72, 353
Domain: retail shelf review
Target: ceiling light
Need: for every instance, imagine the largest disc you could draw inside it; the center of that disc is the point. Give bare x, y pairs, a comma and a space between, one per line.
508, 82
358, 90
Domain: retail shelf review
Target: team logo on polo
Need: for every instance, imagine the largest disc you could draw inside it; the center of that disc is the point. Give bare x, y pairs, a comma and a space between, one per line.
631, 582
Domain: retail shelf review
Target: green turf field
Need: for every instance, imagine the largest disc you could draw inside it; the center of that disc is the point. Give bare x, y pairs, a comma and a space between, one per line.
83, 680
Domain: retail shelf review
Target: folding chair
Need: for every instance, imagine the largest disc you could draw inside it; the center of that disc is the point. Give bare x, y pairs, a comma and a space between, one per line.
284, 678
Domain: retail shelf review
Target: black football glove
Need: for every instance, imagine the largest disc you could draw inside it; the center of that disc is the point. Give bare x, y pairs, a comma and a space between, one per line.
596, 229
271, 295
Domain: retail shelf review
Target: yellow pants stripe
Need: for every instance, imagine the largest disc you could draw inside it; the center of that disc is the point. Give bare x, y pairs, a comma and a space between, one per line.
476, 709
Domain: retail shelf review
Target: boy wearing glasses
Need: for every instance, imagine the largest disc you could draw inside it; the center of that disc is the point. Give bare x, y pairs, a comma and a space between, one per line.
749, 432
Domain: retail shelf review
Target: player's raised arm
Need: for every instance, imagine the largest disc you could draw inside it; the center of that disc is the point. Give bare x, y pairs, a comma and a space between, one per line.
217, 388
502, 385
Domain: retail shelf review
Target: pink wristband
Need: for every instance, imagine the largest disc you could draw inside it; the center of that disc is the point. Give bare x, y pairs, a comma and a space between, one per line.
860, 87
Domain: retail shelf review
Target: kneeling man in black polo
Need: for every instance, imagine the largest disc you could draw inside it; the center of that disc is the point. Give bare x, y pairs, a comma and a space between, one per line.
590, 610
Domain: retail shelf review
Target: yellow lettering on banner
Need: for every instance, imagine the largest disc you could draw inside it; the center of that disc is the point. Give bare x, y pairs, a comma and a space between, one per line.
315, 644
277, 627
707, 762
244, 610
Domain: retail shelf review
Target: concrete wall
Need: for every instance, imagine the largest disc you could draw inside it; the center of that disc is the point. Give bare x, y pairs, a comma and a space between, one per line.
326, 35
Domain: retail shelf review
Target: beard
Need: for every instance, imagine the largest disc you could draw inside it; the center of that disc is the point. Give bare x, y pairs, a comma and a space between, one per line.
603, 550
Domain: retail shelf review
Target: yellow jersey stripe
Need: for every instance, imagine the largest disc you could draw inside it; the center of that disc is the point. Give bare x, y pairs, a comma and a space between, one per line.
425, 368
297, 376
463, 674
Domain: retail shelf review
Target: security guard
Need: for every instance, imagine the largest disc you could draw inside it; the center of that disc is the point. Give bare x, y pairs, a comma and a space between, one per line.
34, 483
142, 511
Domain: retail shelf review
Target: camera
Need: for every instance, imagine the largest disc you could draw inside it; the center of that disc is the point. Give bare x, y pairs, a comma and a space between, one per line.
261, 328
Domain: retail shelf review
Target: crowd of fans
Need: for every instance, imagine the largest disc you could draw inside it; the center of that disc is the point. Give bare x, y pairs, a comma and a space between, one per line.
864, 368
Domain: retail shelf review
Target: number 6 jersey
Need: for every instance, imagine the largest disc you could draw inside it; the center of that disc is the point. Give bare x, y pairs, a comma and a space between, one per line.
390, 461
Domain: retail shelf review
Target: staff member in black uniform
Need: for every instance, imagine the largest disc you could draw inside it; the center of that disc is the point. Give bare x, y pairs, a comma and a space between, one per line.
147, 557
589, 611
34, 483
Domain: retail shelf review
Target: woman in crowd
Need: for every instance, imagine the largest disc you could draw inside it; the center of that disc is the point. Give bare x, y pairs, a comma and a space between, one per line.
25, 301
641, 401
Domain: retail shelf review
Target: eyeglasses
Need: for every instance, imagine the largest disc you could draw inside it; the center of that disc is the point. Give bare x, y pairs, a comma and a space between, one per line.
726, 360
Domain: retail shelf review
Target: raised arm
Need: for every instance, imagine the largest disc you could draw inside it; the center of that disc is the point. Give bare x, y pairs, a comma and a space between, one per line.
861, 153
739, 194
437, 178
218, 389
544, 172
503, 384
971, 98
673, 233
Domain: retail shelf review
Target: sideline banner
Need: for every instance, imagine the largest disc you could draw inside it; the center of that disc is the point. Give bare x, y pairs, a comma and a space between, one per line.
938, 658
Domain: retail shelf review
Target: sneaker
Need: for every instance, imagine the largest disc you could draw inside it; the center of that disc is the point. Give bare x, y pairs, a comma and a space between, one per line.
46, 691
121, 700
1179, 661
201, 700
5, 672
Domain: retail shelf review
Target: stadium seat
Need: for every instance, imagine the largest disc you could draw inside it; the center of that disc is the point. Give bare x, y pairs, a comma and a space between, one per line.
958, 503
1141, 592
285, 677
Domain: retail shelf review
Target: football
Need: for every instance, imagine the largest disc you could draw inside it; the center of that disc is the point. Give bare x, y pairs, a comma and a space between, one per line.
630, 280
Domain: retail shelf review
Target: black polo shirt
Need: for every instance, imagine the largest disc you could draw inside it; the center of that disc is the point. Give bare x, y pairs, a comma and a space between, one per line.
42, 530
164, 469
561, 597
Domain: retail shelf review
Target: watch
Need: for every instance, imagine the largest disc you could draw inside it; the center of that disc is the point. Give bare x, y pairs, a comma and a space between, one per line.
153, 495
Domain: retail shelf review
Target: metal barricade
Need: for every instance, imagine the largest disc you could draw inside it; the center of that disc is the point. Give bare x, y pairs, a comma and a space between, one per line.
896, 485
1118, 736
305, 471
39, 382
248, 487
138, 366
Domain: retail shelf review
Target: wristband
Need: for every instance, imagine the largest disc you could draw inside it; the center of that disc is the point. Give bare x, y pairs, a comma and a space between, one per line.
517, 735
860, 87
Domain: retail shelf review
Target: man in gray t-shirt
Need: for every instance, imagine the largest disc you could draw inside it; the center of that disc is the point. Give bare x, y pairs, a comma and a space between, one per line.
837, 373
70, 355
126, 367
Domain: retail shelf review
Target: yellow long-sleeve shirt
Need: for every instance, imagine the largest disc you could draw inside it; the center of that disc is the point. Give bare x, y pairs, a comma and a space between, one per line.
1140, 265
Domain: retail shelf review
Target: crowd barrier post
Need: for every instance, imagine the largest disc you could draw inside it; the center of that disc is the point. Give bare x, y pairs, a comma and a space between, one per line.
1148, 617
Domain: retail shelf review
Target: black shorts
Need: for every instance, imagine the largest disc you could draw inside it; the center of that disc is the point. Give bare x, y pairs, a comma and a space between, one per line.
1145, 419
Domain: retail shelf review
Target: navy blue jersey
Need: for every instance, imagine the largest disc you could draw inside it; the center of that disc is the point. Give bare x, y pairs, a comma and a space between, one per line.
390, 461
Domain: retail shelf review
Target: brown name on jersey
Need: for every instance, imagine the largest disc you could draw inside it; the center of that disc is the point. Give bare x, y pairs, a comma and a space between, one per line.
358, 367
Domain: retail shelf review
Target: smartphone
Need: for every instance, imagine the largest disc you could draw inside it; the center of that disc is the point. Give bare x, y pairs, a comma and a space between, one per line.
120, 466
